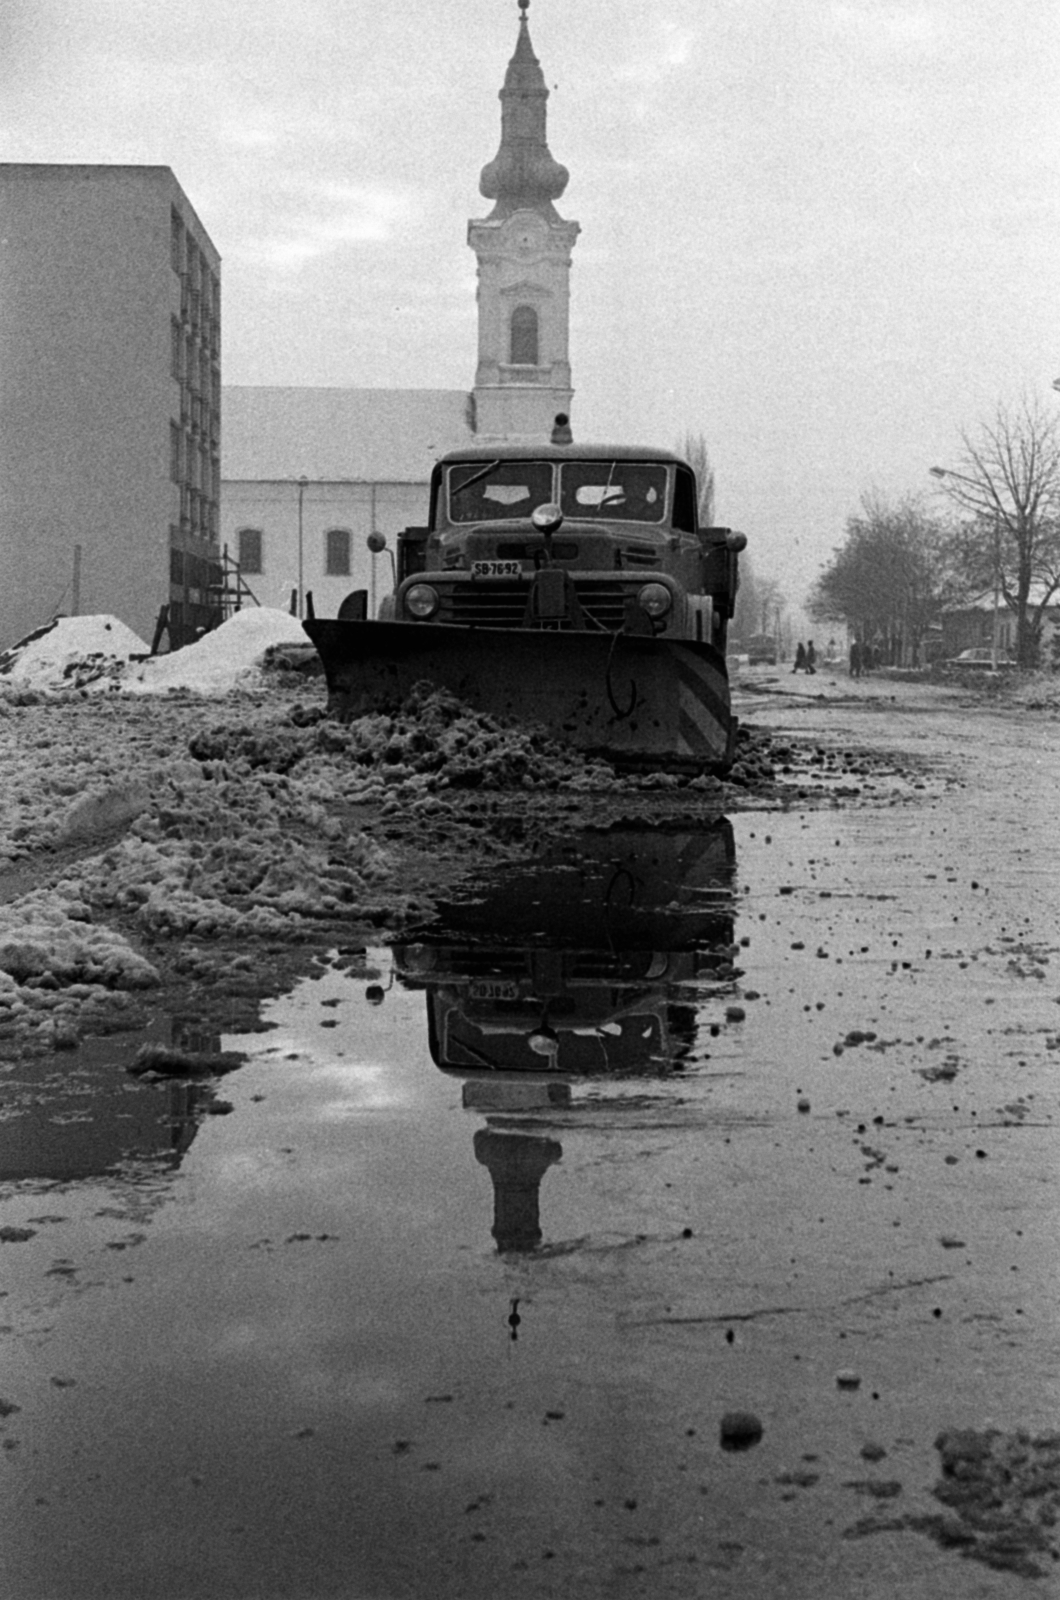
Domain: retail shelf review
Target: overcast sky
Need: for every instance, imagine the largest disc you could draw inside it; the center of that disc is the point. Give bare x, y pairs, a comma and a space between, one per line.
825, 235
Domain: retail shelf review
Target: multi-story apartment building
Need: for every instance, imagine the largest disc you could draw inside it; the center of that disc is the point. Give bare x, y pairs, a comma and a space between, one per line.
110, 400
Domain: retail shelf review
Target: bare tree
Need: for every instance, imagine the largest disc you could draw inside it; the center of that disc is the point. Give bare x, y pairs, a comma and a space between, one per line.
887, 582
693, 449
1008, 486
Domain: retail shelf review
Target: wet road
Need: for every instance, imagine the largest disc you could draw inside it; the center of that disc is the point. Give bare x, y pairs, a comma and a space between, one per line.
455, 1299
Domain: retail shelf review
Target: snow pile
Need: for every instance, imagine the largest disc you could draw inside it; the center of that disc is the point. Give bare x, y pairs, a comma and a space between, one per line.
60, 975
70, 653
72, 766
100, 652
205, 850
238, 854
229, 657
433, 744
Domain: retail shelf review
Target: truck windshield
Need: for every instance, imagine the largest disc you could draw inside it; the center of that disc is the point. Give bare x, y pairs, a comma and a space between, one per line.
486, 492
633, 491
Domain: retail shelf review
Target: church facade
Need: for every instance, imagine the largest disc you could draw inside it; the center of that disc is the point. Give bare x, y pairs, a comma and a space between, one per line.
307, 474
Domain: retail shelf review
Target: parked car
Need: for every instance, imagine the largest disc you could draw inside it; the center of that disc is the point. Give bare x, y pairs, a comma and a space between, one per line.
981, 659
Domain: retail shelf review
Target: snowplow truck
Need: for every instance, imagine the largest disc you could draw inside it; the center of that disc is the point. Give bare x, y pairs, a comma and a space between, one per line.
561, 585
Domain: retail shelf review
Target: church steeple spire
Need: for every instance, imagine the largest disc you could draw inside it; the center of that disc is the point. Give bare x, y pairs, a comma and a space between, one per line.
523, 175
524, 254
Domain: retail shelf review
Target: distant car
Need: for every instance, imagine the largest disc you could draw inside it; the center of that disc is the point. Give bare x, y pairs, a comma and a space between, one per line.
762, 648
980, 659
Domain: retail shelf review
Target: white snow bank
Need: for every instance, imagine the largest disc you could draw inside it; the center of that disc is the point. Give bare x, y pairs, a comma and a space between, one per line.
60, 975
98, 653
71, 652
221, 660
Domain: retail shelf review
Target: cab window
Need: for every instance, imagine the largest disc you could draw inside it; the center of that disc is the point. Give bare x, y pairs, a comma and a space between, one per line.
684, 517
633, 491
499, 490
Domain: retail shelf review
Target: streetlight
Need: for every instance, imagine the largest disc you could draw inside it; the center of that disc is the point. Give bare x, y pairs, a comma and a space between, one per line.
303, 484
947, 472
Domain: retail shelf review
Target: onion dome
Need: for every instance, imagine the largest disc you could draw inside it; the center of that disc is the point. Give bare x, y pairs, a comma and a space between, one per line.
523, 175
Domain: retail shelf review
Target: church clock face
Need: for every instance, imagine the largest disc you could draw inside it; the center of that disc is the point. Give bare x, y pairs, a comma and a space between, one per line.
526, 238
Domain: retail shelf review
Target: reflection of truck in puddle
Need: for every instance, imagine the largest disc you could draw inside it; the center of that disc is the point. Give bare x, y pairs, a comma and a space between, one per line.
590, 961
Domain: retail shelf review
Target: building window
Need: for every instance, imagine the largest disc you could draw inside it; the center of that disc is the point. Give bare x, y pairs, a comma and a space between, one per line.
176, 241
250, 556
337, 558
176, 349
176, 453
524, 337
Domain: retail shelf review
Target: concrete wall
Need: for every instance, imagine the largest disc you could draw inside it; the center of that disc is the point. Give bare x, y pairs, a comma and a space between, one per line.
360, 507
87, 294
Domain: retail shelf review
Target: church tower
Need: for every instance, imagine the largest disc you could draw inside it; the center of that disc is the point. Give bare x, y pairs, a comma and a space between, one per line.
524, 253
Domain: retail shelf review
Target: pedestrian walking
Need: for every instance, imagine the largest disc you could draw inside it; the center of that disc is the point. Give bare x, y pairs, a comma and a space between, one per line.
800, 658
811, 657
855, 659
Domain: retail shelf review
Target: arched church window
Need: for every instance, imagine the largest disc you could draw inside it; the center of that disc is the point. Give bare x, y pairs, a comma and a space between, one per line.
250, 550
524, 337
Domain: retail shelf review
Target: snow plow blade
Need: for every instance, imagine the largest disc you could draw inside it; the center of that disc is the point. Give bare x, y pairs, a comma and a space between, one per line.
636, 700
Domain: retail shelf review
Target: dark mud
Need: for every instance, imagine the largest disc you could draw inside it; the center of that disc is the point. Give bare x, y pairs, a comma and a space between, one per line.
1002, 1498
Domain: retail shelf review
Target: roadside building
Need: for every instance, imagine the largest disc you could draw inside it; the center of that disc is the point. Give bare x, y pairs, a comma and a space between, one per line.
110, 400
971, 627
310, 473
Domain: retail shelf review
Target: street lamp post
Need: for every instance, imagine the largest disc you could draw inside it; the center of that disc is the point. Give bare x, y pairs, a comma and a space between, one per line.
303, 484
947, 472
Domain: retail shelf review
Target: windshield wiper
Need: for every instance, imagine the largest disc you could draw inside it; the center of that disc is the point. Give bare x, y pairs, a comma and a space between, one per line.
476, 477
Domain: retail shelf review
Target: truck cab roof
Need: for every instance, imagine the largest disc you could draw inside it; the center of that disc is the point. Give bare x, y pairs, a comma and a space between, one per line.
560, 452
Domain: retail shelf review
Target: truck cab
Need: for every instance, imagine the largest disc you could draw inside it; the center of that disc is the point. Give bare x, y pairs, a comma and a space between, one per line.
593, 538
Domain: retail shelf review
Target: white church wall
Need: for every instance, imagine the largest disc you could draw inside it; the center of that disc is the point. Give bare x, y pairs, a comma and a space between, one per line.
271, 508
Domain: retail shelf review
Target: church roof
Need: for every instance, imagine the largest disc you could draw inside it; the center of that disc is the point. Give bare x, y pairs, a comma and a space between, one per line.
523, 173
339, 435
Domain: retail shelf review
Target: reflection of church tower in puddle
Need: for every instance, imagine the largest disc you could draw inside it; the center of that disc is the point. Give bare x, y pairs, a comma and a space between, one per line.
516, 1163
524, 255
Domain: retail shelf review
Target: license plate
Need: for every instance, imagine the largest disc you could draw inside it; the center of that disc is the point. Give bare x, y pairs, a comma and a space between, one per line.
493, 989
496, 569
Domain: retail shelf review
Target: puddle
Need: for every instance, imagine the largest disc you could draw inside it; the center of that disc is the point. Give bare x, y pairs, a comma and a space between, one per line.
502, 1232
83, 1115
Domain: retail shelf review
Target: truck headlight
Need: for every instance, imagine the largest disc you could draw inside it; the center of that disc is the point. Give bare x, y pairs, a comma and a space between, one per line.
655, 599
421, 601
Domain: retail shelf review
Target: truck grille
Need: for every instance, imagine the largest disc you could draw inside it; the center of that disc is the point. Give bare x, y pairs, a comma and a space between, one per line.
498, 604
